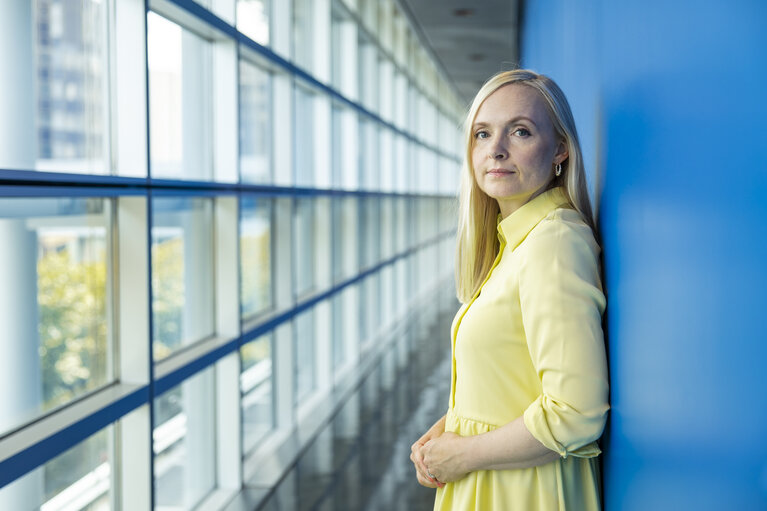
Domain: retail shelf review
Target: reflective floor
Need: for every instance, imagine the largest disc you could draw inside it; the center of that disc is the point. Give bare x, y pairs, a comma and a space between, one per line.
360, 460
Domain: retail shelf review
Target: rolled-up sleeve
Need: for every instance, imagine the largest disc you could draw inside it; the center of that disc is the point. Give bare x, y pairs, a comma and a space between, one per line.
562, 305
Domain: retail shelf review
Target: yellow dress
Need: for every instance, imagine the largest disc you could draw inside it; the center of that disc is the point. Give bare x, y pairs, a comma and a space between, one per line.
530, 343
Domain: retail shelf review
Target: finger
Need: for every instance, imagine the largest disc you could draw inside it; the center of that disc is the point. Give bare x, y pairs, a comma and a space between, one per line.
423, 473
421, 470
425, 481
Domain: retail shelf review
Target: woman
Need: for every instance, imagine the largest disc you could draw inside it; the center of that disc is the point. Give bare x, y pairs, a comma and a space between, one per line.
528, 397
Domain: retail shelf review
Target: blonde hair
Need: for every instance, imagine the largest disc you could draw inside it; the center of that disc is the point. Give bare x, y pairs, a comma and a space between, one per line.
477, 239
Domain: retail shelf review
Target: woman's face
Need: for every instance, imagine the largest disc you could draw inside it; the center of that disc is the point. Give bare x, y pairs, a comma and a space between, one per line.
514, 146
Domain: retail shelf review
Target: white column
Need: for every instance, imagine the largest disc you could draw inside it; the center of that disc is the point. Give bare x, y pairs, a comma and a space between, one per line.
18, 111
349, 46
198, 292
322, 142
320, 10
20, 365
199, 442
282, 128
133, 431
281, 29
225, 114
135, 447
351, 137
228, 416
196, 159
130, 88
284, 376
386, 168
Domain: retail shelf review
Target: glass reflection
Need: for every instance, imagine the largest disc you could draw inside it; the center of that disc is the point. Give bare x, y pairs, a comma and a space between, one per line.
72, 85
182, 272
180, 101
253, 19
257, 391
255, 124
184, 443
304, 366
55, 303
255, 256
79, 478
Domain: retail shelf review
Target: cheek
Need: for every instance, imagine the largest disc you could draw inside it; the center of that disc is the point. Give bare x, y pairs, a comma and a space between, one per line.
475, 162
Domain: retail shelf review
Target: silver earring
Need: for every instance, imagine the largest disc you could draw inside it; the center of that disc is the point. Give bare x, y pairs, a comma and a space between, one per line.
558, 170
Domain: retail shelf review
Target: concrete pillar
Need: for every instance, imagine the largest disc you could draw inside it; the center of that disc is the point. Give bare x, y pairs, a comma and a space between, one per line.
18, 136
20, 374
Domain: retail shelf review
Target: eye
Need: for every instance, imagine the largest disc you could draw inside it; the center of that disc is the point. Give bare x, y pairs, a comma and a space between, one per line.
481, 134
521, 132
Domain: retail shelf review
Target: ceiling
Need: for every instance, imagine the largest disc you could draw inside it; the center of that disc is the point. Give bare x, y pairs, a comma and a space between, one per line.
471, 39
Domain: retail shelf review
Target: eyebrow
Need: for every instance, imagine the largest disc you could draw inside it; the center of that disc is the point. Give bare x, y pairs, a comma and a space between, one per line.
511, 121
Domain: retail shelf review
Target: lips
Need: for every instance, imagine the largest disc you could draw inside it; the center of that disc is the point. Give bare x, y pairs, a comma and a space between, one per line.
499, 172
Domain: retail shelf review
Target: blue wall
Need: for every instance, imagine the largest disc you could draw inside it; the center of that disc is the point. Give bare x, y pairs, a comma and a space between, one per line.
671, 103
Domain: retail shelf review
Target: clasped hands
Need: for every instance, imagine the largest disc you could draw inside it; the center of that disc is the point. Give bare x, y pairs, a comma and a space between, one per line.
438, 457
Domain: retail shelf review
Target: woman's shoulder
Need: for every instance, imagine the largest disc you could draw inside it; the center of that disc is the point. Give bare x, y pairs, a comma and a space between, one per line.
562, 230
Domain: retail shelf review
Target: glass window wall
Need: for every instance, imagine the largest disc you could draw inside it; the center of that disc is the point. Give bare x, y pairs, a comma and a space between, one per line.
184, 443
255, 256
255, 124
256, 385
182, 272
303, 245
180, 101
253, 19
55, 303
78, 478
304, 359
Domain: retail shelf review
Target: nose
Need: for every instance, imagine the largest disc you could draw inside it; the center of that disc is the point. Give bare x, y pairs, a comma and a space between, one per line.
498, 151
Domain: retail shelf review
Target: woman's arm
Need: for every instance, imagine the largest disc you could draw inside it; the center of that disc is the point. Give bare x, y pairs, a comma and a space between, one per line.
450, 457
416, 454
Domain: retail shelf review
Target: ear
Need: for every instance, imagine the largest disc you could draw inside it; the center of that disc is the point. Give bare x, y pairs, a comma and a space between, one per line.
562, 153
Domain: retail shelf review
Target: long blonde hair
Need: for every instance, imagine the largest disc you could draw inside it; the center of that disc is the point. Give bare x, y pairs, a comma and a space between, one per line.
477, 240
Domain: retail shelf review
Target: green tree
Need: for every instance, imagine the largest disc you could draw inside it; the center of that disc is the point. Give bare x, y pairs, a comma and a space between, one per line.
72, 327
167, 295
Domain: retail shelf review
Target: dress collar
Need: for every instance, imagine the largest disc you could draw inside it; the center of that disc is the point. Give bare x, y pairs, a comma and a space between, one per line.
515, 227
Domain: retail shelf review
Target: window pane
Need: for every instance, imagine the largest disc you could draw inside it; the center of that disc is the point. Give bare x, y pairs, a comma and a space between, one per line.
368, 154
369, 233
257, 391
184, 443
70, 46
54, 303
255, 124
253, 19
79, 478
304, 354
255, 255
304, 137
339, 347
337, 219
337, 145
182, 272
180, 98
302, 34
303, 253
350, 234
335, 50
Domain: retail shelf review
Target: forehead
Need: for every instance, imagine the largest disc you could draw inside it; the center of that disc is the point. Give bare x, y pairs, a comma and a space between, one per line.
513, 100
